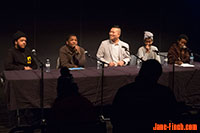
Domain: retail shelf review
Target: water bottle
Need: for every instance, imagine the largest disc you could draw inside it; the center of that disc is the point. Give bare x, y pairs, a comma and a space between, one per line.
139, 63
191, 58
47, 65
99, 65
165, 61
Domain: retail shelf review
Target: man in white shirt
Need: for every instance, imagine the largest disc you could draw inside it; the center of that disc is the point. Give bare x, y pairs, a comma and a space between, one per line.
114, 51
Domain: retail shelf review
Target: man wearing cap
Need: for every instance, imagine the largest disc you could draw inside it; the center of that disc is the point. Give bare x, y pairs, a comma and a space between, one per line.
19, 57
147, 51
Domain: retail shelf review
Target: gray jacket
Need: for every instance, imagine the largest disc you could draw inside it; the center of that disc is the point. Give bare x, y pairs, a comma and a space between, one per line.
104, 52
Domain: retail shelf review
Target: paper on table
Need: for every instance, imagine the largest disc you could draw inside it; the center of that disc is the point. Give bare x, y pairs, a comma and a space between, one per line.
185, 65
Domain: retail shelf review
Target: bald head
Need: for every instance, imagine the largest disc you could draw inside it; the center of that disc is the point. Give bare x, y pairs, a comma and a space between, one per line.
114, 34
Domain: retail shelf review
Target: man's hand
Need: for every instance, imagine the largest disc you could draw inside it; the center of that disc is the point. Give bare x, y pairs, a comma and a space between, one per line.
77, 48
147, 48
111, 64
27, 68
120, 63
178, 62
75, 66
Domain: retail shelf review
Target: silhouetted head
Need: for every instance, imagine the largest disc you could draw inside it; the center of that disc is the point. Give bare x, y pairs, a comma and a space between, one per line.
65, 84
150, 71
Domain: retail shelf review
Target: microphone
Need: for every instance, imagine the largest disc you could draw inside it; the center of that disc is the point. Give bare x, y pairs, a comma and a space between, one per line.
186, 48
87, 53
36, 57
156, 51
34, 52
125, 48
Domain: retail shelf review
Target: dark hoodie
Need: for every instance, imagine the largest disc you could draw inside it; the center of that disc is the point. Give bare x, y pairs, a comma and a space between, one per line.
17, 59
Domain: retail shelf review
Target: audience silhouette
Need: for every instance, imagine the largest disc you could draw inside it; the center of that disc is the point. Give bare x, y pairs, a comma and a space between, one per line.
71, 111
139, 105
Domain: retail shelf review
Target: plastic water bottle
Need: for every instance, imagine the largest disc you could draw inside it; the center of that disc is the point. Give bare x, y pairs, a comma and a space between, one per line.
191, 58
139, 63
99, 65
47, 65
165, 61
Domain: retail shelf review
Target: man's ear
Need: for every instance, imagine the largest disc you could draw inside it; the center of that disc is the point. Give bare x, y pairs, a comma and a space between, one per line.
67, 42
15, 42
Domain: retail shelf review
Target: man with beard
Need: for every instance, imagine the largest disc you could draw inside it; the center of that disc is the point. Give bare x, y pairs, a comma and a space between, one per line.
19, 57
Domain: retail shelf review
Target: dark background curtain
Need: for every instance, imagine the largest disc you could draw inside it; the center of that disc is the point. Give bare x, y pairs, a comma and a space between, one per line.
47, 23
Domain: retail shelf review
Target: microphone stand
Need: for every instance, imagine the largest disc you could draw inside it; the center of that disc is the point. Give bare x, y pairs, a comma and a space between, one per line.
43, 120
173, 68
173, 74
162, 55
138, 57
197, 55
102, 118
158, 53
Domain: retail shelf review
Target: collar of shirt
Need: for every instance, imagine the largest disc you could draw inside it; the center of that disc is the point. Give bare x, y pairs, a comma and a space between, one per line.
72, 50
111, 42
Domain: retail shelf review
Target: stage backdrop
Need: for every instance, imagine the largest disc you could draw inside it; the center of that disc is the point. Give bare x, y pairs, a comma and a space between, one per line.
48, 23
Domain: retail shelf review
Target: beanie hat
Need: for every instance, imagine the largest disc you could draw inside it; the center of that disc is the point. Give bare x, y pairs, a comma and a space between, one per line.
18, 34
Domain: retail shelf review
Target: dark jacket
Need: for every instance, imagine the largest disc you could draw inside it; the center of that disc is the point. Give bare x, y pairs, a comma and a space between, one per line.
17, 59
138, 105
70, 58
175, 54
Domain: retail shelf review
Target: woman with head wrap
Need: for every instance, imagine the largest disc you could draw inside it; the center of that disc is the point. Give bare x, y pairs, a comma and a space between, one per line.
148, 51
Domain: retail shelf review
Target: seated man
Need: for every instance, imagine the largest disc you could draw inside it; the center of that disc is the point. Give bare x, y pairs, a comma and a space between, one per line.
114, 51
178, 52
19, 57
71, 55
148, 51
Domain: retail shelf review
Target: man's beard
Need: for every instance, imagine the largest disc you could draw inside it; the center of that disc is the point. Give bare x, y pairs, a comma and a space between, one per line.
20, 49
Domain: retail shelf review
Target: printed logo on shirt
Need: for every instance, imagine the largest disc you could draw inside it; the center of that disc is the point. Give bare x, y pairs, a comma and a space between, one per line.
28, 59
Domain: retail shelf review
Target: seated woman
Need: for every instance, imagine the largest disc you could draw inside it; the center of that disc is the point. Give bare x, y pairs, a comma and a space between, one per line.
148, 51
